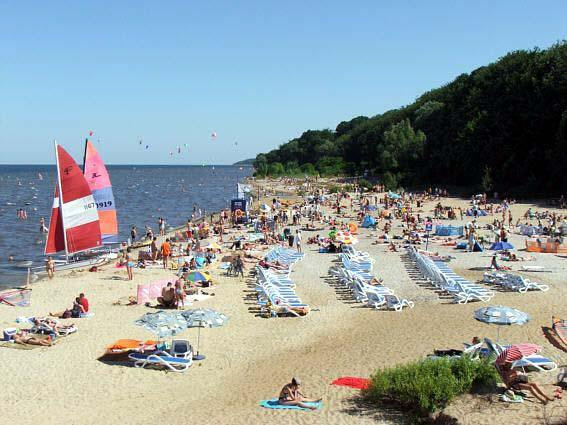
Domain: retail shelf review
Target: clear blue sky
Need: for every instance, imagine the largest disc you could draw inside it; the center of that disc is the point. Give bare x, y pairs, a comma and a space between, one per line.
255, 72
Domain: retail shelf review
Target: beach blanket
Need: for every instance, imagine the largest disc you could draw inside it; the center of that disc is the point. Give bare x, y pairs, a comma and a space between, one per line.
352, 382
274, 404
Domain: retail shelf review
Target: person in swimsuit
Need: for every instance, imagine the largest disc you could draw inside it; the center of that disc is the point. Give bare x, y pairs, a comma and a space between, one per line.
179, 295
291, 396
167, 298
50, 267
154, 249
129, 263
520, 382
23, 338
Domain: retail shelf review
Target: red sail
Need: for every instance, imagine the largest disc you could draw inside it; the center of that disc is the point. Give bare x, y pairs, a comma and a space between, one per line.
55, 237
78, 208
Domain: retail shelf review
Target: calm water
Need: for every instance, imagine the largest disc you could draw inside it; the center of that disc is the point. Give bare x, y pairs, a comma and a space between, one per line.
142, 194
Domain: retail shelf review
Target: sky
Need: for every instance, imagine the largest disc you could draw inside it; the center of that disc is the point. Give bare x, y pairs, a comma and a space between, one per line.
256, 73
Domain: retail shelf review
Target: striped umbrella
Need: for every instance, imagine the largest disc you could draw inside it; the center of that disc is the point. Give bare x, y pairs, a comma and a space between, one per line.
517, 352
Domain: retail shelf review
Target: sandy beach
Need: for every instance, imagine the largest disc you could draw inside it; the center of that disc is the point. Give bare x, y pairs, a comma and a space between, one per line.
251, 357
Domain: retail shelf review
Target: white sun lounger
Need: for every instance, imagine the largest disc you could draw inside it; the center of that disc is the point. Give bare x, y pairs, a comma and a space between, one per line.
160, 358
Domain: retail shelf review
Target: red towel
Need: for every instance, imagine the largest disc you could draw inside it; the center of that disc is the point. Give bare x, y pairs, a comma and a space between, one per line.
353, 382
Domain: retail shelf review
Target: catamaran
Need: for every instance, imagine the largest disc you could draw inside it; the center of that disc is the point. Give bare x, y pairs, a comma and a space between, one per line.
74, 227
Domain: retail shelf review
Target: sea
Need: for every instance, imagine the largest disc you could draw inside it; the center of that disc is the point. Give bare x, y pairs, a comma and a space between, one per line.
142, 193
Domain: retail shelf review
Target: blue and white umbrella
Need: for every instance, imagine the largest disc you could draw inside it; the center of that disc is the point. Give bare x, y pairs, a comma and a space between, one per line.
501, 246
501, 315
163, 323
204, 317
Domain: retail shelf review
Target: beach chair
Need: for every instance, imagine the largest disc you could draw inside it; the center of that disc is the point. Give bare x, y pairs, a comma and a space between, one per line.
534, 362
160, 359
375, 300
181, 348
397, 304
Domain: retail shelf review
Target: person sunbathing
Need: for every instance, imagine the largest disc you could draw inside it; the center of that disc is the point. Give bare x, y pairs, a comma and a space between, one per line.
167, 299
24, 338
291, 396
272, 265
520, 382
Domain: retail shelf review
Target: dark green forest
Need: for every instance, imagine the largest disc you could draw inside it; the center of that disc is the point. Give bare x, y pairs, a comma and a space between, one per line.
503, 127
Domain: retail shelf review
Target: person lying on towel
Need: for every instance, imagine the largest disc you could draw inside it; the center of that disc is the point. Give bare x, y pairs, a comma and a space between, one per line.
291, 396
23, 338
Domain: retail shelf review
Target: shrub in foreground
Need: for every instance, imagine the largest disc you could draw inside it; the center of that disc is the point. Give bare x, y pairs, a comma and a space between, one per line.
427, 385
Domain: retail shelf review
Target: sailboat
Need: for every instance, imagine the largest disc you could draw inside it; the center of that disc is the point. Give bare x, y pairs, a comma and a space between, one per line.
98, 179
74, 226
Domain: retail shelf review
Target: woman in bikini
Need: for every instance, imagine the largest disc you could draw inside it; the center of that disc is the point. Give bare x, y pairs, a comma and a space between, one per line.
23, 338
291, 396
129, 264
520, 382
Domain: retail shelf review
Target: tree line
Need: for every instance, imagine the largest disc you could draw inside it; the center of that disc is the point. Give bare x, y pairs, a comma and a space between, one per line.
503, 127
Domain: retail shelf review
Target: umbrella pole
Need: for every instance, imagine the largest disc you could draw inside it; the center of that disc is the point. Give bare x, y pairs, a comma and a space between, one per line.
198, 356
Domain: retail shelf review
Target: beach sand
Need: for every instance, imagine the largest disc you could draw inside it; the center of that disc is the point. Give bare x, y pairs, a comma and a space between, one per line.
250, 358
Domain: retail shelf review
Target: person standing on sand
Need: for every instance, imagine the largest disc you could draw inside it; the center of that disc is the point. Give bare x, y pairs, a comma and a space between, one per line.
129, 263
50, 267
154, 248
165, 252
298, 240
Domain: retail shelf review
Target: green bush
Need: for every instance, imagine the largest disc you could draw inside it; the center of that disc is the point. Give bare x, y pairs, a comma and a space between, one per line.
335, 189
365, 184
427, 385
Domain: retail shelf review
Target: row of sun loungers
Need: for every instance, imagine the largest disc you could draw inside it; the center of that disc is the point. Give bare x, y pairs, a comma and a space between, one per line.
513, 282
274, 287
355, 274
440, 275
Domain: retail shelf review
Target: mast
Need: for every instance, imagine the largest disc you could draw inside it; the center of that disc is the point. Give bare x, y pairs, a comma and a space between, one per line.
85, 155
61, 200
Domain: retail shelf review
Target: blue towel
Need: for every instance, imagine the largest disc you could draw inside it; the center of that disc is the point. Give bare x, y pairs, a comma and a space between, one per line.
274, 404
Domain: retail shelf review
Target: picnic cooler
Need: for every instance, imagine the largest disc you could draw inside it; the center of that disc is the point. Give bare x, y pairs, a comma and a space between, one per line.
9, 333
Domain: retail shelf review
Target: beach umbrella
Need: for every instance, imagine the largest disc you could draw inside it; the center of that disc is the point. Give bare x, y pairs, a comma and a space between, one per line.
204, 317
517, 352
163, 323
200, 318
198, 276
501, 246
501, 315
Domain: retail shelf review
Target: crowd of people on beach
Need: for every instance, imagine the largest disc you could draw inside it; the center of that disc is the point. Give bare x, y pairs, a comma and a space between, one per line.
326, 218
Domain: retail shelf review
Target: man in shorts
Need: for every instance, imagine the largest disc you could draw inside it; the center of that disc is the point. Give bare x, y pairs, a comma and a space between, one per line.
165, 252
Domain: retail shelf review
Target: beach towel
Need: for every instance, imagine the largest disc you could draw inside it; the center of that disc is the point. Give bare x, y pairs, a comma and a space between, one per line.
352, 382
274, 404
